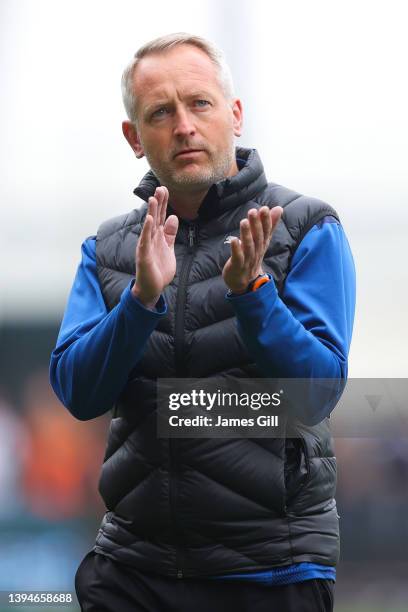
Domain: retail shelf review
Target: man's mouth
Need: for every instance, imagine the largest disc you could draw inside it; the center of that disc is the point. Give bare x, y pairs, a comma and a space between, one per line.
188, 153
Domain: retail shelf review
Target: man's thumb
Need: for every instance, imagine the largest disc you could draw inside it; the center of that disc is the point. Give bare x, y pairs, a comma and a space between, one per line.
170, 229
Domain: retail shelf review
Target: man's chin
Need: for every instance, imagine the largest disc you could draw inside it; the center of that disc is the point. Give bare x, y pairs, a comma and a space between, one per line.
193, 177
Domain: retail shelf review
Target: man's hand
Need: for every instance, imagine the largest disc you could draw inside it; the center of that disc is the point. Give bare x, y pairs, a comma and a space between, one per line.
155, 258
247, 253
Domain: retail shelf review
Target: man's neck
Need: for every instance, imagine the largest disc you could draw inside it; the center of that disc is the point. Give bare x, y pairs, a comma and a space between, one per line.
186, 205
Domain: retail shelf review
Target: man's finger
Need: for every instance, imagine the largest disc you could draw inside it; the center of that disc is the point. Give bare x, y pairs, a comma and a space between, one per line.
163, 209
145, 239
266, 220
152, 210
237, 255
170, 229
256, 230
159, 195
276, 213
247, 241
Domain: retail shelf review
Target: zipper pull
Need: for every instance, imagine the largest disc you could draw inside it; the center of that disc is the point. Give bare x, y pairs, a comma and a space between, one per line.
191, 235
179, 573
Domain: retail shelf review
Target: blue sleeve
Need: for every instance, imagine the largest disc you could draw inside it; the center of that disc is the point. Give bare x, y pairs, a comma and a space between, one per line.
305, 333
96, 349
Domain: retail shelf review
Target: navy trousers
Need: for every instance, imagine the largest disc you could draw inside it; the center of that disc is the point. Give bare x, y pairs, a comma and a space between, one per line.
103, 585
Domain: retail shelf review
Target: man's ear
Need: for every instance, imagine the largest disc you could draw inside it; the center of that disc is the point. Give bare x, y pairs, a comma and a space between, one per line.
130, 133
237, 117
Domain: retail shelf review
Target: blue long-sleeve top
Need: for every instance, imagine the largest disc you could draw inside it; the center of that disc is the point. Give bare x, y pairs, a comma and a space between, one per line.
304, 333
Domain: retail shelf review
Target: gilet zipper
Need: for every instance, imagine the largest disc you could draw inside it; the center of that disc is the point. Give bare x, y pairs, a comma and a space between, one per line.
178, 349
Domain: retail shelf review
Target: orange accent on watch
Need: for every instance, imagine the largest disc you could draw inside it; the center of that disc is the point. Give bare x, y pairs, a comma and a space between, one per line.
260, 280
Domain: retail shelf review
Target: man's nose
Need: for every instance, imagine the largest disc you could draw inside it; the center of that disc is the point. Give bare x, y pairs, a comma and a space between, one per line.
184, 123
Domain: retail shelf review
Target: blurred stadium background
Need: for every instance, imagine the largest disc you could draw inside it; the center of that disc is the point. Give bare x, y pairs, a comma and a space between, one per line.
325, 103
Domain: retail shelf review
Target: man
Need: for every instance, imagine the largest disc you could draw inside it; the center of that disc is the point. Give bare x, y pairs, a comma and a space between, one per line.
219, 275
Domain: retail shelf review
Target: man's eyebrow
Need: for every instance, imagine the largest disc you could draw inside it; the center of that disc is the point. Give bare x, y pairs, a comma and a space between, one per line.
200, 93
153, 105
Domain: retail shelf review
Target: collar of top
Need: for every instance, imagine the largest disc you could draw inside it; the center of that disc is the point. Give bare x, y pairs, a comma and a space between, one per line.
227, 193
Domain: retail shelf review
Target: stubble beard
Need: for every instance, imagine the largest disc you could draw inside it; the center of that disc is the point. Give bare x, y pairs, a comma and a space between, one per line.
216, 169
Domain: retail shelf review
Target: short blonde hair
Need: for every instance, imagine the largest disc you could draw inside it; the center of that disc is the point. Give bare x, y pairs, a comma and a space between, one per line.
162, 44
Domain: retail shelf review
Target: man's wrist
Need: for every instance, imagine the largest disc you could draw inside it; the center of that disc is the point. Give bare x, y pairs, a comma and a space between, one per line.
146, 300
253, 285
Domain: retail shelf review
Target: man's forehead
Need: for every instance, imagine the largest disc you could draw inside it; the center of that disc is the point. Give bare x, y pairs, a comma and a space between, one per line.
179, 65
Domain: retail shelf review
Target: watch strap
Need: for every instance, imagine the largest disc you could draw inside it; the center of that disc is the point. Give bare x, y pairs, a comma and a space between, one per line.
260, 280
257, 282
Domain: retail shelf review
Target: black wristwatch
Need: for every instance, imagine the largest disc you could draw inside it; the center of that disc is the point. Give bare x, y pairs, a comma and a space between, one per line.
260, 280
257, 282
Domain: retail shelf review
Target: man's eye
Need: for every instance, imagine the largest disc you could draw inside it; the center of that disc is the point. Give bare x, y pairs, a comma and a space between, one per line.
160, 112
202, 103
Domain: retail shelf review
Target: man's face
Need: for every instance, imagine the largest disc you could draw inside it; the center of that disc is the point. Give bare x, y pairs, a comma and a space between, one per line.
185, 125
